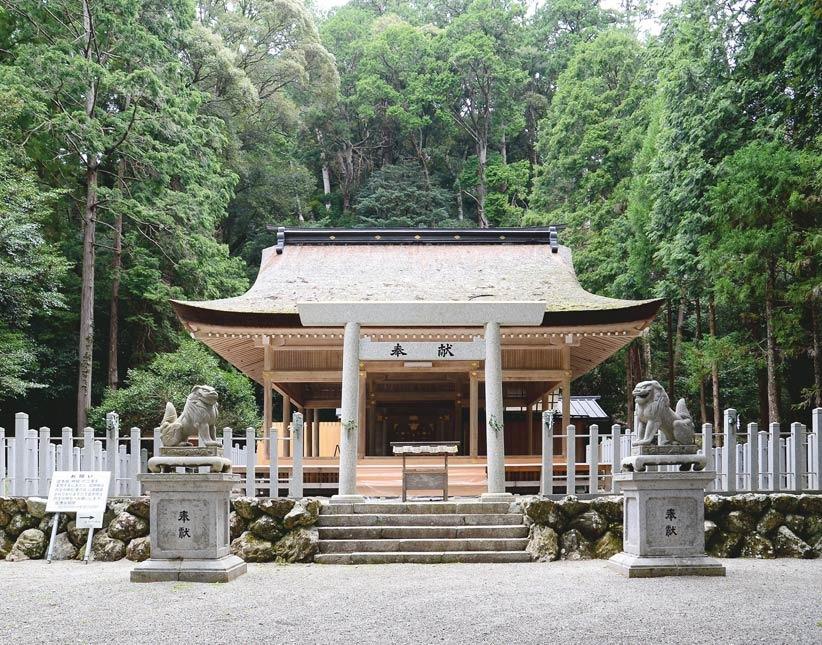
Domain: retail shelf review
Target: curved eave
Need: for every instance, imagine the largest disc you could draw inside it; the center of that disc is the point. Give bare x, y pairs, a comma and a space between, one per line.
191, 314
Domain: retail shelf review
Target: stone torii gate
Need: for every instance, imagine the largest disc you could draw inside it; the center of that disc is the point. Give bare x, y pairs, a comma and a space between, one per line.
353, 316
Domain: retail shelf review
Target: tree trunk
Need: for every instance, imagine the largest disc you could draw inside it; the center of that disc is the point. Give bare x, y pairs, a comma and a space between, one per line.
85, 348
714, 366
116, 269
629, 386
503, 148
670, 324
703, 408
326, 171
482, 155
680, 321
460, 206
646, 354
770, 343
817, 359
86, 344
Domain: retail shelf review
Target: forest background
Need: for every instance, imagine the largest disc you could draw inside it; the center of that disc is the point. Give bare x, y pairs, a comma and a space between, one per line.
147, 147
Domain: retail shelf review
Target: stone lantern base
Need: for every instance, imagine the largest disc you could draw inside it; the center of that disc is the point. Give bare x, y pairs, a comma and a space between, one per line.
189, 529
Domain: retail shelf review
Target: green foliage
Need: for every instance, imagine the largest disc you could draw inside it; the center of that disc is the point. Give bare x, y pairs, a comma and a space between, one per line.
170, 377
397, 195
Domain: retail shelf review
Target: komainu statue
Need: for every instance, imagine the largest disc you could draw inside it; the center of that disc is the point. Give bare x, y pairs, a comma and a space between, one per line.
654, 413
199, 416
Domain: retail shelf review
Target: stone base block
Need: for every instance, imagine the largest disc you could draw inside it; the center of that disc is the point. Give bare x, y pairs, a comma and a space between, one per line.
346, 499
223, 569
634, 566
496, 497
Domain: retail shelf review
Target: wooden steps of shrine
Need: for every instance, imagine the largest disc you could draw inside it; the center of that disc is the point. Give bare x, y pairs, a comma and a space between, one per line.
421, 532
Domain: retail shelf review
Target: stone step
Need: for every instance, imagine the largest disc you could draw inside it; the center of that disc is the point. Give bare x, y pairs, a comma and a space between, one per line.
407, 519
410, 557
434, 545
383, 508
421, 532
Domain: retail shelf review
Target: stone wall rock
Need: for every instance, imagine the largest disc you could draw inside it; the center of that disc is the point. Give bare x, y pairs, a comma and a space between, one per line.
20, 522
36, 506
299, 545
105, 548
788, 544
277, 507
139, 549
543, 543
266, 527
304, 513
63, 549
749, 525
126, 527
29, 545
247, 508
6, 544
252, 549
574, 546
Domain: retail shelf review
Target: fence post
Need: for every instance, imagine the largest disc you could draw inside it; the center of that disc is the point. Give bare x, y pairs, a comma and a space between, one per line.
729, 450
571, 461
43, 462
753, 456
21, 428
3, 492
547, 478
774, 457
798, 440
616, 453
228, 443
295, 488
250, 462
32, 476
273, 463
593, 458
134, 461
708, 450
87, 460
156, 442
112, 450
816, 428
67, 442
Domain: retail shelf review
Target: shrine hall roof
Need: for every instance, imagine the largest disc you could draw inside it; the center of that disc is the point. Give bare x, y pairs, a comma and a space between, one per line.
416, 265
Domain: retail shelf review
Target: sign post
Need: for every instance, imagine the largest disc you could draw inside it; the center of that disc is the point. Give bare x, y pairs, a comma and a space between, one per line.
81, 492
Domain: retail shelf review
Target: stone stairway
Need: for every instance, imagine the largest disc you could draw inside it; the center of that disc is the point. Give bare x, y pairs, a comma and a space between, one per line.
421, 532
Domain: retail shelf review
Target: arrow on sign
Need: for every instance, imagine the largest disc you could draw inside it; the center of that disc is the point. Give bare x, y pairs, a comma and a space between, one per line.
86, 517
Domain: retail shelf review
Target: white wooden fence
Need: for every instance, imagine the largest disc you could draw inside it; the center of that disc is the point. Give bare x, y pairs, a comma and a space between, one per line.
760, 459
29, 457
744, 460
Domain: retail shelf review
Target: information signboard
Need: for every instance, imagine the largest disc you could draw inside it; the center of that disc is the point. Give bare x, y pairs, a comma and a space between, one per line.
81, 492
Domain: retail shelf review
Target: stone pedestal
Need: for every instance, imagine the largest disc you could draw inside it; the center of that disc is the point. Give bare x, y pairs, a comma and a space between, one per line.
663, 523
189, 529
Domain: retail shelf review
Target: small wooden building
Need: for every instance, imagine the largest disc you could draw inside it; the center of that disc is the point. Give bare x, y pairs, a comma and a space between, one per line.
417, 334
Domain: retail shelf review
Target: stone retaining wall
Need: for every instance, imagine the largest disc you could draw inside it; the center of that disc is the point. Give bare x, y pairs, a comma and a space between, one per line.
262, 530
749, 526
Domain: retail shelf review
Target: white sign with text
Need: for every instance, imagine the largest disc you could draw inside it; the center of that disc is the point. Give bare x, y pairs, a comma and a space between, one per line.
81, 492
400, 350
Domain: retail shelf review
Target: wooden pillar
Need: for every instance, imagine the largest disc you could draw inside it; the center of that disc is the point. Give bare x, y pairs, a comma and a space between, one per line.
473, 415
267, 402
566, 408
315, 434
309, 436
286, 421
458, 424
362, 416
529, 427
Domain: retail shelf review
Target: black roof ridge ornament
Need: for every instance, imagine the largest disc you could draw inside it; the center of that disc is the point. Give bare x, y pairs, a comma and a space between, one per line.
553, 239
280, 240
340, 236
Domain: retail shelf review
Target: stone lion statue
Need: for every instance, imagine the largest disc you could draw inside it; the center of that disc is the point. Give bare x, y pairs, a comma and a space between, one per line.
199, 416
654, 413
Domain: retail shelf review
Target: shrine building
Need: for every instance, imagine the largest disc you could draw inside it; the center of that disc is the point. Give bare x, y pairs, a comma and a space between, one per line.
417, 335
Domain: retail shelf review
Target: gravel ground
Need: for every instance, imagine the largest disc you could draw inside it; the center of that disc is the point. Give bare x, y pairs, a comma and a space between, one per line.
777, 601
